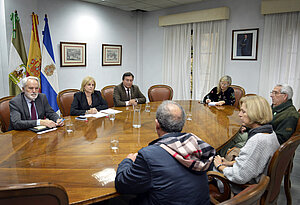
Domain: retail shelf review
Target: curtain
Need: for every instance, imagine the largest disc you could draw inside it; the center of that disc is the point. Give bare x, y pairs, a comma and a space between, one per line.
177, 60
281, 54
208, 56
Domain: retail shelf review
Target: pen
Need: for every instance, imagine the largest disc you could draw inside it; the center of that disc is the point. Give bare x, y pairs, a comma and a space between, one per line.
61, 121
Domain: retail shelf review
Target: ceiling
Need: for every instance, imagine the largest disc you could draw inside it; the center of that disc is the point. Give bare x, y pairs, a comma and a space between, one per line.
143, 5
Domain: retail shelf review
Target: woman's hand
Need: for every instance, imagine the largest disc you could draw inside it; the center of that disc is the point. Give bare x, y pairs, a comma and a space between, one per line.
220, 102
207, 101
217, 160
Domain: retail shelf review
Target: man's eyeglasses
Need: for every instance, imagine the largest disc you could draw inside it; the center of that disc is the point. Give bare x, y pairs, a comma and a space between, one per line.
275, 93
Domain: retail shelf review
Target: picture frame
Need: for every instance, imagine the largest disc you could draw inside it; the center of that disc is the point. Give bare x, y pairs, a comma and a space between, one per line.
111, 55
72, 54
244, 44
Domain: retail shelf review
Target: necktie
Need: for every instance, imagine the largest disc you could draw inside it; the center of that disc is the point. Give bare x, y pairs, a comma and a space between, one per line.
33, 111
128, 93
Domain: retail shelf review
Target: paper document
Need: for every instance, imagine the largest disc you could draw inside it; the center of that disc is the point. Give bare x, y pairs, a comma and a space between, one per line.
45, 131
103, 113
109, 110
212, 103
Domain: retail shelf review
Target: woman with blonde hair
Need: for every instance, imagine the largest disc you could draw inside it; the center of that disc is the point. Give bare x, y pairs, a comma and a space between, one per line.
222, 94
255, 113
88, 100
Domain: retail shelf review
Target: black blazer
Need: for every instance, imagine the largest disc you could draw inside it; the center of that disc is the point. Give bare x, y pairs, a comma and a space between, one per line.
20, 114
80, 104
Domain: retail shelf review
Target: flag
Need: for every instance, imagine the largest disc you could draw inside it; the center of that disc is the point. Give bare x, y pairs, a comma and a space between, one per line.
17, 57
49, 79
34, 56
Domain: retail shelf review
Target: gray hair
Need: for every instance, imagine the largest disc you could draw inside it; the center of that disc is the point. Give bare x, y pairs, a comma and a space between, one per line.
286, 89
24, 80
168, 120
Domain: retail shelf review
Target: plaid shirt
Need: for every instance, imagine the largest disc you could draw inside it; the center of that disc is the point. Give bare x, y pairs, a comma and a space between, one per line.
189, 150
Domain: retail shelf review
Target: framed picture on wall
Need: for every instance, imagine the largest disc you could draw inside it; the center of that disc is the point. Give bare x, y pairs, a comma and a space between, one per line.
111, 55
244, 44
72, 54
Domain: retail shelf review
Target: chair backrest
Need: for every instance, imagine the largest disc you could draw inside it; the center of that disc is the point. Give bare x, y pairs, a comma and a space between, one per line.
250, 94
277, 168
64, 100
250, 195
5, 113
239, 92
34, 194
298, 125
108, 94
160, 93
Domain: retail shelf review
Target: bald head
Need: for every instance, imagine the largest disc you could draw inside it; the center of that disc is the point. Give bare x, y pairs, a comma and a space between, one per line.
170, 116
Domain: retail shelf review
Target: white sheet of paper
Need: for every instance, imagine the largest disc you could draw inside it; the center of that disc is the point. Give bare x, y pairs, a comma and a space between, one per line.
212, 103
97, 115
103, 113
45, 131
109, 110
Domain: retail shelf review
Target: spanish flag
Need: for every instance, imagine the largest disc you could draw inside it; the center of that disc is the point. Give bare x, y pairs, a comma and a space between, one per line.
34, 56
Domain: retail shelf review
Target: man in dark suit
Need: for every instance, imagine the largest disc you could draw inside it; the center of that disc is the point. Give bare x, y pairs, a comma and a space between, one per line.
127, 94
172, 169
31, 108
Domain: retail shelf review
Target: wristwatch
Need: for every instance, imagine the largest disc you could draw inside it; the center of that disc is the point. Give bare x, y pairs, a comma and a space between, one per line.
219, 167
136, 100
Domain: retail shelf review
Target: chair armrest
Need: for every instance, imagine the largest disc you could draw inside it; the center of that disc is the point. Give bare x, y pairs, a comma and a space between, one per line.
215, 197
227, 194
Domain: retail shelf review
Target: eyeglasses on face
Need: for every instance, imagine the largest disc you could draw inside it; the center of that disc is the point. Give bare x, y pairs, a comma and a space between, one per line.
275, 92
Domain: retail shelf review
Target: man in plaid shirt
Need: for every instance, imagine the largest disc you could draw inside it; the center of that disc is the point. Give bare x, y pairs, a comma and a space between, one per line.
172, 169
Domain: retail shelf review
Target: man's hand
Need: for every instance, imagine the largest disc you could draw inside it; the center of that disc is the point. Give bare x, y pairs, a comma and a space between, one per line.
132, 156
48, 123
207, 101
243, 129
132, 102
59, 122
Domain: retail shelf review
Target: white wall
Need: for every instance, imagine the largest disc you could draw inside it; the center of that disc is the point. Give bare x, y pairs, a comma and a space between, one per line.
76, 21
244, 14
138, 33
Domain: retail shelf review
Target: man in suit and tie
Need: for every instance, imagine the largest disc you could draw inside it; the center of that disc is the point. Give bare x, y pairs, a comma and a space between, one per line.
126, 94
31, 108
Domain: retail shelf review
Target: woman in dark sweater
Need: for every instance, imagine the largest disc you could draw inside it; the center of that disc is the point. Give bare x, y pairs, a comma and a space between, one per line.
223, 94
88, 100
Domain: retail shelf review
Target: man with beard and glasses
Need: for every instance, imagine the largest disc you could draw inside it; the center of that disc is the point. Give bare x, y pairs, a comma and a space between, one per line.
31, 108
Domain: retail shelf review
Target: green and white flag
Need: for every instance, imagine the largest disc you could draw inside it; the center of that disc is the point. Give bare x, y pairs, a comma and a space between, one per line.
17, 57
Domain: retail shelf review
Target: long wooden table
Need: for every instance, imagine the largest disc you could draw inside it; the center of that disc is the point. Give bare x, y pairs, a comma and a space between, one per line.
73, 159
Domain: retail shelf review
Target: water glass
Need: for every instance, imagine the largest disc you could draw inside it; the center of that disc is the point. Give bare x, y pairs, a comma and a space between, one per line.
114, 143
147, 107
112, 116
189, 116
69, 126
136, 116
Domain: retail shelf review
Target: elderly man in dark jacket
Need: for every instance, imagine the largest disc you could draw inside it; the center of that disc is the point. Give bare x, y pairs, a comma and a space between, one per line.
285, 119
172, 169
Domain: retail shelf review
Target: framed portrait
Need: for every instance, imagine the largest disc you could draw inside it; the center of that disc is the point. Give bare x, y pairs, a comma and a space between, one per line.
111, 55
244, 44
72, 54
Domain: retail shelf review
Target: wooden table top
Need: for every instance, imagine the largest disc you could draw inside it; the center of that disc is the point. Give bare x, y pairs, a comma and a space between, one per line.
82, 161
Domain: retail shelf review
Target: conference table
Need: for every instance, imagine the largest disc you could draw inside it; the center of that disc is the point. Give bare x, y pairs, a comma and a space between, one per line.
83, 162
